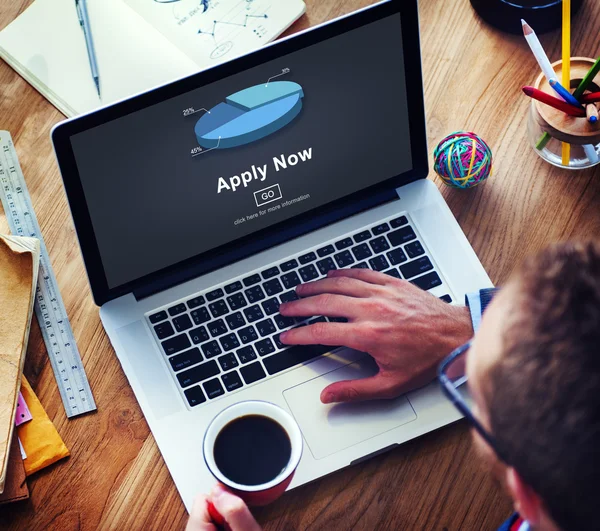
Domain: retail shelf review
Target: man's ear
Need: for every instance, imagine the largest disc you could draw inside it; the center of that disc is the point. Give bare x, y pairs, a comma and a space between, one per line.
527, 503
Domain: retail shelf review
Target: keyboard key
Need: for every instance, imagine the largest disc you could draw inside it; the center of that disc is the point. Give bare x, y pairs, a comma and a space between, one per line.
290, 280
308, 273
327, 264
246, 354
255, 294
289, 265
229, 342
283, 322
216, 328
199, 335
398, 222
214, 295
253, 313
195, 302
379, 263
182, 323
446, 298
176, 344
194, 396
163, 330
324, 251
228, 361
186, 359
306, 258
278, 344
251, 280
361, 265
264, 347
393, 273
344, 258
253, 372
272, 287
400, 236
270, 273
397, 256
248, 334
337, 319
416, 267
293, 356
317, 320
344, 244
271, 306
379, 244
198, 373
177, 309
380, 229
232, 381
236, 301
362, 236
211, 349
428, 281
200, 315
218, 308
213, 388
361, 251
157, 317
235, 320
414, 249
265, 327
233, 287
289, 296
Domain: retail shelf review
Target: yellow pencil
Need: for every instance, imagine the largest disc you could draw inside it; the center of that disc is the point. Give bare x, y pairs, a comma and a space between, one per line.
566, 65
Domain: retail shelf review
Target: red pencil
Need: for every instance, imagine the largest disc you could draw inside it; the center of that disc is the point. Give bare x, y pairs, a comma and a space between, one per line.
544, 97
590, 98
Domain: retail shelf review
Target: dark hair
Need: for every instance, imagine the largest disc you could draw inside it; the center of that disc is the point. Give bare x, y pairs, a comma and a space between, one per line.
544, 393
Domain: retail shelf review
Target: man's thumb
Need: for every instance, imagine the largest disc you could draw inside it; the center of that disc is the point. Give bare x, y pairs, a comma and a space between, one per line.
377, 386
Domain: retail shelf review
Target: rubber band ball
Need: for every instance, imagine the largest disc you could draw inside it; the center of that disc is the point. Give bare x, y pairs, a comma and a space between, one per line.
463, 160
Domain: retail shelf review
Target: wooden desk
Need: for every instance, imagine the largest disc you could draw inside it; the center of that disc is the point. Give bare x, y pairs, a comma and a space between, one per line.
116, 478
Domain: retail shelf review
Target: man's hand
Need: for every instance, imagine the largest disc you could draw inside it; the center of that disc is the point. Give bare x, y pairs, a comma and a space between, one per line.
234, 511
407, 331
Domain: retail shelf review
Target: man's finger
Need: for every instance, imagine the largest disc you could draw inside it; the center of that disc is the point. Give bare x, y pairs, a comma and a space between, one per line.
377, 386
366, 275
324, 304
340, 285
199, 518
234, 510
331, 334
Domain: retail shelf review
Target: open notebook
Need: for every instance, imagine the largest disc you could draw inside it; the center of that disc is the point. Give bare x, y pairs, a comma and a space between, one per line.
139, 43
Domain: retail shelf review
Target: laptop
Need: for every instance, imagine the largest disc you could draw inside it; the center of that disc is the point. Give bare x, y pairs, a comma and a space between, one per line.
201, 204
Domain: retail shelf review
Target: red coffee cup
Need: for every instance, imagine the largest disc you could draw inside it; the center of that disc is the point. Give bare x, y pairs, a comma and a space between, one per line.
264, 493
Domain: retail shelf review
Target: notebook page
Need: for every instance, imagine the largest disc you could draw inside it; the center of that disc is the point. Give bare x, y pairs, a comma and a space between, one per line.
46, 46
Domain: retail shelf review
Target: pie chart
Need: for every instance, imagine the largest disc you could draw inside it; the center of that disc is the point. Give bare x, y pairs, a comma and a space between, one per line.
249, 115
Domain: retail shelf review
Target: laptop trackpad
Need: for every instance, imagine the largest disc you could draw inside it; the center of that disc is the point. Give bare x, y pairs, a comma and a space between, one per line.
329, 428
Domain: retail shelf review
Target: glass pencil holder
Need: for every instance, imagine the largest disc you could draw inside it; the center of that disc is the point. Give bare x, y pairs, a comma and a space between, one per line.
549, 129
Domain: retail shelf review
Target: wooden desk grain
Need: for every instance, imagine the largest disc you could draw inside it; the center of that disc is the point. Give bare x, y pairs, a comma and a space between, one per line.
116, 479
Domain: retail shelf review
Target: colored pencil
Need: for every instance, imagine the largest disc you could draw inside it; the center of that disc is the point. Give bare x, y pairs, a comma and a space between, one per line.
592, 97
589, 77
566, 67
538, 51
564, 93
591, 112
546, 98
591, 154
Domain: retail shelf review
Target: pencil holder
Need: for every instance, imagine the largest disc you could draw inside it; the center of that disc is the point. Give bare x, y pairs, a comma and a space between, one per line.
548, 128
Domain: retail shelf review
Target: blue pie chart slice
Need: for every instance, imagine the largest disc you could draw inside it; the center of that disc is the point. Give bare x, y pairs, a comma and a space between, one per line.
249, 115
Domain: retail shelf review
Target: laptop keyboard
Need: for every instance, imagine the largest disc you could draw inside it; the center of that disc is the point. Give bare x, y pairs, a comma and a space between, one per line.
227, 338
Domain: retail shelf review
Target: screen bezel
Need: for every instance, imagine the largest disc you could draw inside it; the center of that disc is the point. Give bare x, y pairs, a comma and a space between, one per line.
273, 235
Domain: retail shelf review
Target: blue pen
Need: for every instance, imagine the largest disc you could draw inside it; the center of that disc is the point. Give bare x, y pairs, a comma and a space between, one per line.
564, 93
84, 21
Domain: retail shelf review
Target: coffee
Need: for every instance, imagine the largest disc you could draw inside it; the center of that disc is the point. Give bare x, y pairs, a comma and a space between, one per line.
252, 450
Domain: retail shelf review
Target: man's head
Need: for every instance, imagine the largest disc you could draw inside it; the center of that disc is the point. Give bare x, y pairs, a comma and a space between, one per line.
534, 373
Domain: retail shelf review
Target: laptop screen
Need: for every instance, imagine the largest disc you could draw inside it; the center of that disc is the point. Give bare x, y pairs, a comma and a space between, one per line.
223, 161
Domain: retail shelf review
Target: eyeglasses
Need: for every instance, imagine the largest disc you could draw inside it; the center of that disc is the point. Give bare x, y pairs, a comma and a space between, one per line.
453, 378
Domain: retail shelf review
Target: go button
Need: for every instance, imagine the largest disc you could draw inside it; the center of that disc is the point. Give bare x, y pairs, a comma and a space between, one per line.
266, 195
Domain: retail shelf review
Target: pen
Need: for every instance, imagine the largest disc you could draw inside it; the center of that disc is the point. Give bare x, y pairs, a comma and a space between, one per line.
564, 93
84, 21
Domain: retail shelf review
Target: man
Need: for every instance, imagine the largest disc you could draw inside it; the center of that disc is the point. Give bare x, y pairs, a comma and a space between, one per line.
533, 373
